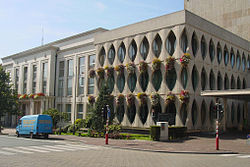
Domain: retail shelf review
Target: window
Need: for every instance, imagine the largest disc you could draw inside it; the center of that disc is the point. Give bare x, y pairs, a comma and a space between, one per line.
219, 53
226, 82
184, 113
194, 113
157, 45
238, 83
203, 47
91, 85
111, 54
203, 112
194, 44
131, 112
171, 112
184, 78
132, 50
232, 113
121, 52
194, 78
45, 75
143, 113
110, 83
25, 78
91, 61
203, 79
219, 81
211, 80
171, 79
81, 75
132, 82
248, 62
243, 62
171, 43
144, 48
120, 82
226, 56
244, 84
238, 114
232, 82
120, 112
102, 56
143, 81
79, 111
16, 79
34, 76
61, 78
70, 77
232, 58
157, 79
184, 41
211, 50
238, 60
68, 110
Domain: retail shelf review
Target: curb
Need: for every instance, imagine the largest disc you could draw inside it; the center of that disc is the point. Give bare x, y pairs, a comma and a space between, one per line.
159, 151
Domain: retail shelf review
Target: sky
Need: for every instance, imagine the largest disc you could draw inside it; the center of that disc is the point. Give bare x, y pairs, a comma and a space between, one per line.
24, 22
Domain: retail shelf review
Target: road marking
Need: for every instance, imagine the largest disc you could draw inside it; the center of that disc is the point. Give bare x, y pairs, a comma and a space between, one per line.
6, 153
46, 149
59, 147
16, 150
75, 148
83, 146
228, 155
32, 149
244, 156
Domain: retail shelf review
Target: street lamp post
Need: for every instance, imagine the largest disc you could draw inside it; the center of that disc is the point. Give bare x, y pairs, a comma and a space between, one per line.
107, 124
217, 126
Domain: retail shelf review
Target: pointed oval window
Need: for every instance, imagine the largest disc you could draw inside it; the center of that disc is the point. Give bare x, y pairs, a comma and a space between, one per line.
194, 78
184, 77
131, 112
194, 113
132, 82
211, 50
157, 79
203, 112
171, 112
194, 44
101, 83
120, 82
203, 79
211, 80
184, 113
120, 112
110, 83
121, 52
232, 113
111, 54
102, 56
226, 82
238, 83
232, 58
143, 81
219, 53
226, 56
219, 81
144, 48
243, 62
238, 60
184, 41
203, 47
244, 84
211, 112
171, 43
171, 78
232, 82
132, 50
238, 114
157, 43
248, 62
143, 113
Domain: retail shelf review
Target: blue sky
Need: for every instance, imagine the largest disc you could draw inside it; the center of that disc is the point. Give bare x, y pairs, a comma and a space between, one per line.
21, 21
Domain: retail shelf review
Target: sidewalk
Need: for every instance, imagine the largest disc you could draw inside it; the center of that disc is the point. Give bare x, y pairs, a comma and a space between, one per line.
229, 143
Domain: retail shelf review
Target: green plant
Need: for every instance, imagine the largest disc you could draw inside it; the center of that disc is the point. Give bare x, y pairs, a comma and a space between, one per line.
120, 99
185, 59
130, 99
156, 65
170, 61
155, 132
92, 73
177, 132
143, 66
142, 97
56, 115
184, 96
170, 98
110, 70
100, 72
155, 99
130, 68
119, 69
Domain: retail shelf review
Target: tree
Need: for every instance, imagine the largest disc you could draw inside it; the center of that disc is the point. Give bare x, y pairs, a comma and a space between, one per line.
56, 115
98, 114
8, 95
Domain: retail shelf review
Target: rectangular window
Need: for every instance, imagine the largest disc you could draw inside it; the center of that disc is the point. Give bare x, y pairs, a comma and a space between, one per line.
91, 85
44, 79
81, 75
25, 76
16, 79
70, 77
34, 79
79, 111
68, 110
61, 78
59, 107
91, 61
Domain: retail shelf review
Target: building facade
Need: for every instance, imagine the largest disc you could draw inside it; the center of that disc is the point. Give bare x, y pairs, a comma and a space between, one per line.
165, 61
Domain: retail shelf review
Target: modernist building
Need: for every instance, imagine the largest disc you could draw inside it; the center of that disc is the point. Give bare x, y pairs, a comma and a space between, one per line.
148, 61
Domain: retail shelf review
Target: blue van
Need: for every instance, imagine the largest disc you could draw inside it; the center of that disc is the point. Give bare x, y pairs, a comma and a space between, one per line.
35, 125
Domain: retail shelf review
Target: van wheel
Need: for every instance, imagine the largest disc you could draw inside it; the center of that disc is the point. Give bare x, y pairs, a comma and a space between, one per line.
46, 136
17, 134
31, 135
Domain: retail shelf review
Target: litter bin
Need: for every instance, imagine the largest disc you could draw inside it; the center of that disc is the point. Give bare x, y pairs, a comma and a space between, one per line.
164, 130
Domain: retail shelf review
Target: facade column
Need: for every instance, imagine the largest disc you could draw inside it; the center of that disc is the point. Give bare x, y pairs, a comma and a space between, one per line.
32, 108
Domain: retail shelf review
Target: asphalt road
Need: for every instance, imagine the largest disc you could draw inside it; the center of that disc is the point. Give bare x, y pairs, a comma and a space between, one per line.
15, 152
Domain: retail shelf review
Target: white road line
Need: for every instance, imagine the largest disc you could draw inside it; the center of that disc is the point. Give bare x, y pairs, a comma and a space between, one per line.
229, 155
75, 148
59, 147
244, 156
6, 153
46, 149
32, 149
83, 146
16, 150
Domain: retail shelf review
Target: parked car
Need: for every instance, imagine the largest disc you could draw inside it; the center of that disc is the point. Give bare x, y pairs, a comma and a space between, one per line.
35, 125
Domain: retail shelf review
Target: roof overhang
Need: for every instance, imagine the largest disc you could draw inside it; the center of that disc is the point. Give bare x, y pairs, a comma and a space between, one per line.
237, 94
